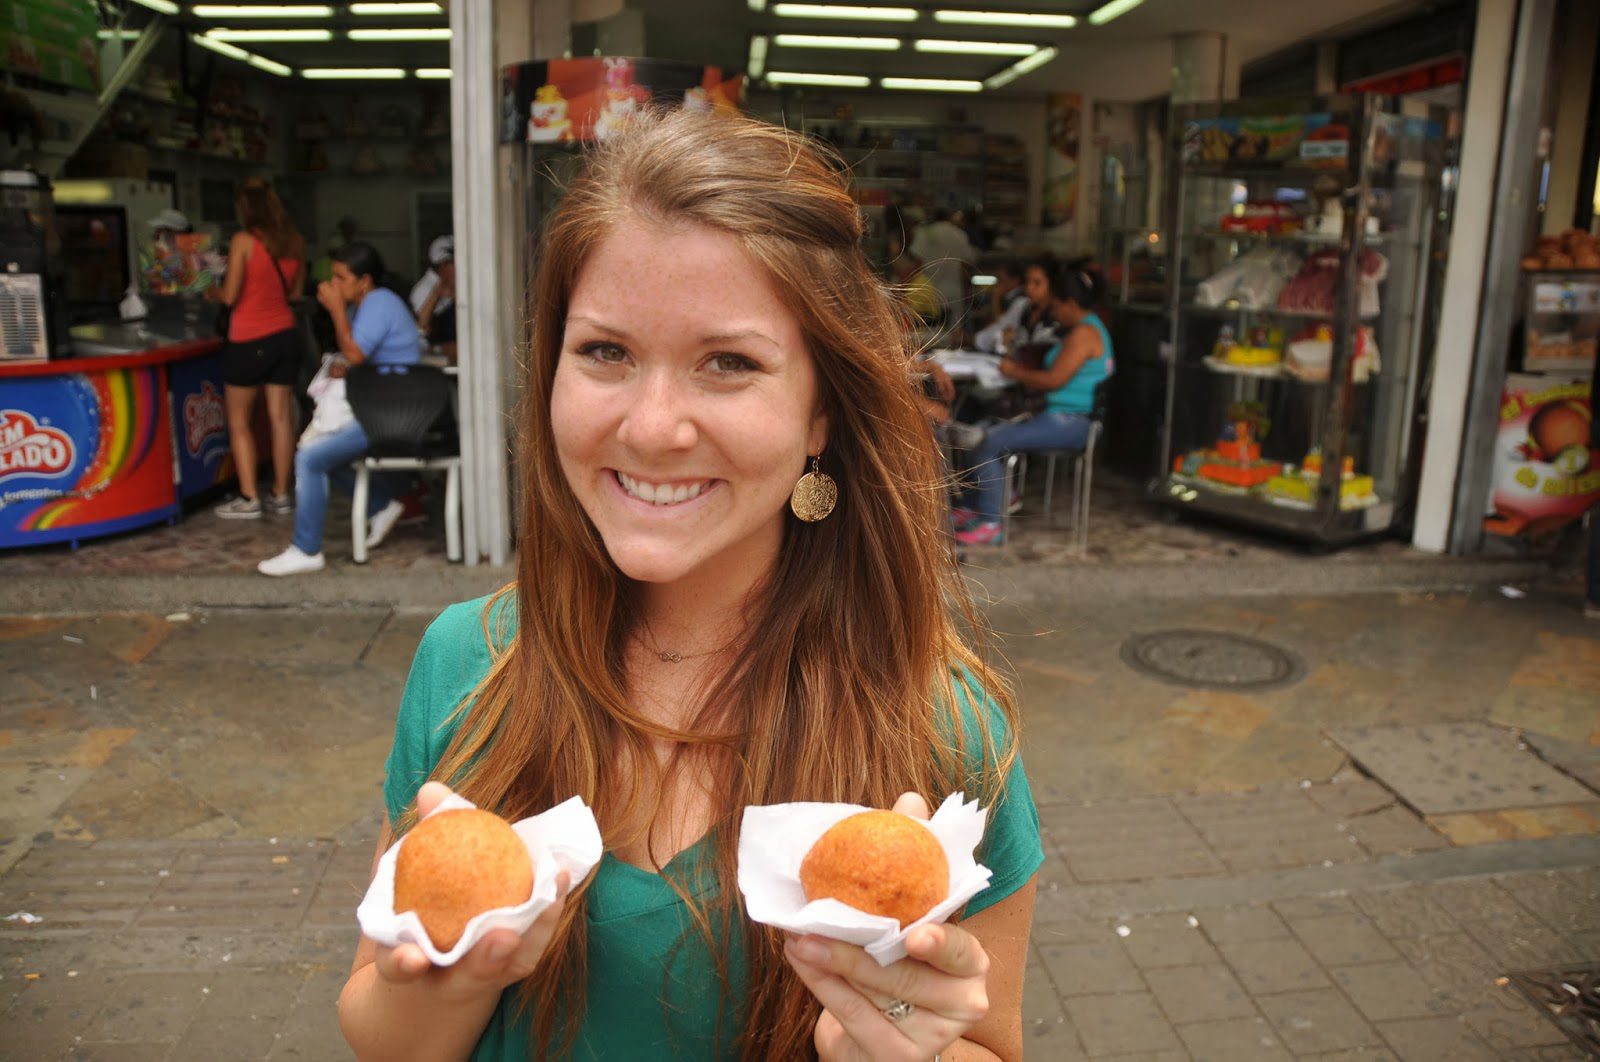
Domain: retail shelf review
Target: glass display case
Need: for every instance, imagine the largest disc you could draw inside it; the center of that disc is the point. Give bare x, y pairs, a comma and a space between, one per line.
1299, 235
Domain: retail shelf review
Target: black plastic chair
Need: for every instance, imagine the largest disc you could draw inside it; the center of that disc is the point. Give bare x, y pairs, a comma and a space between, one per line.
406, 412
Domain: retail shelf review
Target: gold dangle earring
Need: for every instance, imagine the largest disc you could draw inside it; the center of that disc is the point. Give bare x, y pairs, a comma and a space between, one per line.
815, 495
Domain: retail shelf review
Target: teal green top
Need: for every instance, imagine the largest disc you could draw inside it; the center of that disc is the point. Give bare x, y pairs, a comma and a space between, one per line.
640, 939
1077, 394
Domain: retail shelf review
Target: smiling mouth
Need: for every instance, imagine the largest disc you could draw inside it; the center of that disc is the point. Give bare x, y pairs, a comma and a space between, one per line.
662, 493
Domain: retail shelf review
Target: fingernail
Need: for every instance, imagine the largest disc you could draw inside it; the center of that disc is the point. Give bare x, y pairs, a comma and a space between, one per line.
809, 949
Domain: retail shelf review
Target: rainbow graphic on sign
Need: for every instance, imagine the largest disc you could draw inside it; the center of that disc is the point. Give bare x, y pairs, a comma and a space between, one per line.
117, 429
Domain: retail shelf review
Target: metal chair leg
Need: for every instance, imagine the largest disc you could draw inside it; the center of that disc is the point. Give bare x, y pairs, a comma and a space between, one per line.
1049, 485
358, 513
452, 511
1011, 474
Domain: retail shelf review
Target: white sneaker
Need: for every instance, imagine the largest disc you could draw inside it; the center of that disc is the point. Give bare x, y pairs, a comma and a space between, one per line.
379, 526
292, 561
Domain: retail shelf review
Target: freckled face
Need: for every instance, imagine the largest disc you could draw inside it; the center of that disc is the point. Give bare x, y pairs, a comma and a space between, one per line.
685, 403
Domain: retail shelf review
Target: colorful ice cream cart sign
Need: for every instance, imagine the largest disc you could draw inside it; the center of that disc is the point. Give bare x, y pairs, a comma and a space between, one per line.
84, 454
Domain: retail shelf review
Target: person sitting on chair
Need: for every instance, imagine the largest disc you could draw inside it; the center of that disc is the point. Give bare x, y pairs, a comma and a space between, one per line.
1072, 370
372, 324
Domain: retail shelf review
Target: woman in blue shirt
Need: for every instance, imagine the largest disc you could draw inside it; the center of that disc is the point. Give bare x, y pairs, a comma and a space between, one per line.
1072, 370
372, 324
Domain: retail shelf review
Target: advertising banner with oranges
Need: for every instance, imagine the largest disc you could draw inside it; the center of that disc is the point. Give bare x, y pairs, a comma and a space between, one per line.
1546, 469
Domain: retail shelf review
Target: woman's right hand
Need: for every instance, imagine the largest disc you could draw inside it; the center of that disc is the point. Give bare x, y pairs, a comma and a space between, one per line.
500, 959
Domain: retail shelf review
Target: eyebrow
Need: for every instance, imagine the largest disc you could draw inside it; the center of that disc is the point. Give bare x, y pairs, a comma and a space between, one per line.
716, 337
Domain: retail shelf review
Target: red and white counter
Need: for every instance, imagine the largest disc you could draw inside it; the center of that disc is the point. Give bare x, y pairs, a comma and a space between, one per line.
92, 446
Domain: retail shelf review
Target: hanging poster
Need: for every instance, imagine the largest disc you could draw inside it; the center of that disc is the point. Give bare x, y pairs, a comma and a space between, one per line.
1546, 473
561, 101
1064, 118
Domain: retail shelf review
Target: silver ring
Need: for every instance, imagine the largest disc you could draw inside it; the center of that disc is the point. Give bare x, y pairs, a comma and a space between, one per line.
898, 1009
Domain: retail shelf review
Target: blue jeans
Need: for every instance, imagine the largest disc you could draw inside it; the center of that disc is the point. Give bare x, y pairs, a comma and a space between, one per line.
1042, 431
315, 463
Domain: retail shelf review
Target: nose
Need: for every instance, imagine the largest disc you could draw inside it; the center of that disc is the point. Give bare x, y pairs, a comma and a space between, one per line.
660, 415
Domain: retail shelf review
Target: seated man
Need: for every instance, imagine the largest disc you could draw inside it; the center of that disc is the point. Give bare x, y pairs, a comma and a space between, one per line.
372, 324
433, 298
1008, 303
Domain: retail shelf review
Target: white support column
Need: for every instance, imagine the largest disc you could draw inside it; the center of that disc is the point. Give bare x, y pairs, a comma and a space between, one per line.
474, 95
1203, 68
1483, 121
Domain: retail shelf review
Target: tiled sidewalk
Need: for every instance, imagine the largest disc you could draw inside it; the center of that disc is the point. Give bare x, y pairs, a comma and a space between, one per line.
1404, 973
149, 950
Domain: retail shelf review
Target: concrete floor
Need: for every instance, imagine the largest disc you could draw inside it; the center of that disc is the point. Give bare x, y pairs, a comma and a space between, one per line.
207, 746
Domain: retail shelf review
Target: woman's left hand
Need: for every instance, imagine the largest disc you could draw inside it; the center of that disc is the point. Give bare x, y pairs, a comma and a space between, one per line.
944, 979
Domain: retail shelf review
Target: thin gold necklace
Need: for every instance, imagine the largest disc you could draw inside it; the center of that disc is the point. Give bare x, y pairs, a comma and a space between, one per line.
670, 656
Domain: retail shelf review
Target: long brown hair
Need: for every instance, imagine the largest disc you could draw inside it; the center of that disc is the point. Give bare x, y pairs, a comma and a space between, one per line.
261, 211
845, 688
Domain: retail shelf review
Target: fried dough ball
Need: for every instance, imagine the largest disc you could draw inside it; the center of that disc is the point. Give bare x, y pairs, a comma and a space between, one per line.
457, 864
880, 862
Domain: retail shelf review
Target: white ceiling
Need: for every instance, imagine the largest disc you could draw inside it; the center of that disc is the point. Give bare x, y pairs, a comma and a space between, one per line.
1127, 59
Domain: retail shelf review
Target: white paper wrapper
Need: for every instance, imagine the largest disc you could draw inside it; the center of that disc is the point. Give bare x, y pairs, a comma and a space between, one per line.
775, 839
564, 838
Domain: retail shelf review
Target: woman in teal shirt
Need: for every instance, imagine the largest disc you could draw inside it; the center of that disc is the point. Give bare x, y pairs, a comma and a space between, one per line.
1072, 371
732, 591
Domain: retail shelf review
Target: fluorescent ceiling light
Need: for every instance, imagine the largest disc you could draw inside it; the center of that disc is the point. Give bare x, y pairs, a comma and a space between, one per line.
434, 73
757, 5
117, 35
976, 47
1106, 12
261, 11
757, 59
441, 33
352, 73
166, 7
396, 9
1020, 67
930, 84
842, 11
778, 77
270, 34
1007, 18
263, 63
220, 47
811, 40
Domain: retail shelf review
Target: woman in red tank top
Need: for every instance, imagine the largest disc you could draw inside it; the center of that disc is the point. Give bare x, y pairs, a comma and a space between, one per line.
266, 273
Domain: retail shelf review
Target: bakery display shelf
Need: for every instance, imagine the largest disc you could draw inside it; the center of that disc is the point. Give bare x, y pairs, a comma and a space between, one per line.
1346, 211
1299, 236
214, 156
1237, 310
443, 173
1348, 523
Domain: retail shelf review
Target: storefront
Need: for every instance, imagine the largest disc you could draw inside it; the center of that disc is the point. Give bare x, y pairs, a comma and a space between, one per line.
1064, 136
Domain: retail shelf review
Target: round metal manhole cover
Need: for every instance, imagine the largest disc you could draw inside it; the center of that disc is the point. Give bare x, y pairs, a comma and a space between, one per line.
1213, 660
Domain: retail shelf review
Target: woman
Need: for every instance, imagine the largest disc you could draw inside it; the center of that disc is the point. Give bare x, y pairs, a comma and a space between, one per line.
266, 273
1072, 370
1038, 323
370, 323
679, 645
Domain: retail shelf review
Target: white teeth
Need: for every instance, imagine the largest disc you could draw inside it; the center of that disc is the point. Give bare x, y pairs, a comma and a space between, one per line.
662, 494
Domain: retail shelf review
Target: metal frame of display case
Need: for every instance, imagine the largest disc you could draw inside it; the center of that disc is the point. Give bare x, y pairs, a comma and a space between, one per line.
1327, 520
